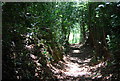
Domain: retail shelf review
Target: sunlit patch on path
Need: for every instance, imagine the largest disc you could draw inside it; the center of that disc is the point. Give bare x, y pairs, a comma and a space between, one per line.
75, 69
76, 65
76, 51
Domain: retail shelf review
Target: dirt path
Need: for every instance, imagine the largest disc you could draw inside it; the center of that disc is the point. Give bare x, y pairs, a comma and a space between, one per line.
76, 65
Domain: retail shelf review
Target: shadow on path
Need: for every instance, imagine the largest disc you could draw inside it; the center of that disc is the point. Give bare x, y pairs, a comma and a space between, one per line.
76, 65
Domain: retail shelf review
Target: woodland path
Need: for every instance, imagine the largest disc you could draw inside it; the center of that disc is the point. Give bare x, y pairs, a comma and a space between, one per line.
76, 65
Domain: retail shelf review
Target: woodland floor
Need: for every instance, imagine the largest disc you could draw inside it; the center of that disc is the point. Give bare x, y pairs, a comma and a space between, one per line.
76, 66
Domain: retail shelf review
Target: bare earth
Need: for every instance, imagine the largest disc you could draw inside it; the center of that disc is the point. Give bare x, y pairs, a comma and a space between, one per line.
76, 65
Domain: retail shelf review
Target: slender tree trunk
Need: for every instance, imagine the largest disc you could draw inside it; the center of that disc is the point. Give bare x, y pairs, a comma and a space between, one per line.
83, 28
90, 39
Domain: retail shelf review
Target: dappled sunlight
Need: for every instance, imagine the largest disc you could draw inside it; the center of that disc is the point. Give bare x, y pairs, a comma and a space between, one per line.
78, 68
75, 69
71, 41
76, 51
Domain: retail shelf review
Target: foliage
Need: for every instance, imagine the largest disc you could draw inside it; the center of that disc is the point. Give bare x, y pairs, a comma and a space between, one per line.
104, 31
37, 34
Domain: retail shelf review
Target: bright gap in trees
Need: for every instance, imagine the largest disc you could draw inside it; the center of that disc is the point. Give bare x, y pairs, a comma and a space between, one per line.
75, 34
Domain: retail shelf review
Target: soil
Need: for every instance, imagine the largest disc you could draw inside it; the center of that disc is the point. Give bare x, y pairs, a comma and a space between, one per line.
76, 66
